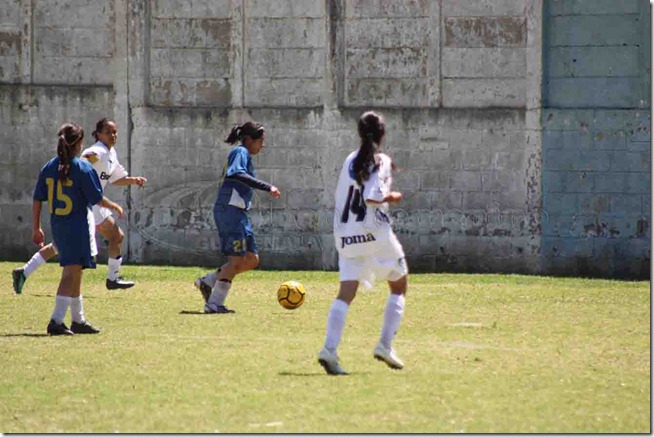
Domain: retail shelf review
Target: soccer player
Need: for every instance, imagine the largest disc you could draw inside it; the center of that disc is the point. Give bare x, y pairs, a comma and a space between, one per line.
102, 155
367, 246
70, 186
235, 191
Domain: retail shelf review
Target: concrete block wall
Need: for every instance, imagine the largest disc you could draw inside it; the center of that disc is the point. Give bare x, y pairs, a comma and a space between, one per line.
56, 65
458, 82
596, 138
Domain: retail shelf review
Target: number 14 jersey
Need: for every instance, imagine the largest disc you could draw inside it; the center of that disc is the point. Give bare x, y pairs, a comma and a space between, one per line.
360, 228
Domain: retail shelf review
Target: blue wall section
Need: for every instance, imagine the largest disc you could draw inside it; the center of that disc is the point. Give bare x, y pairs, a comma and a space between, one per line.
596, 138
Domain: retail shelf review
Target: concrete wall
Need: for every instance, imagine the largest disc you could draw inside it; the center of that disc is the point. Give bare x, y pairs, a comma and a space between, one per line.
596, 138
460, 84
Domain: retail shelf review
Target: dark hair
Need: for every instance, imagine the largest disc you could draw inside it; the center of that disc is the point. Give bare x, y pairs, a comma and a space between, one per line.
371, 129
69, 135
250, 129
99, 126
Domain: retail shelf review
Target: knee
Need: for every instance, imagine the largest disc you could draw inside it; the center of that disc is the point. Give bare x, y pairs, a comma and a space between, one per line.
248, 262
118, 236
254, 261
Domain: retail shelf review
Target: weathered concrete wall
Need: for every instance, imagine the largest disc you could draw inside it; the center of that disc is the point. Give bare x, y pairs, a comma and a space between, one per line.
458, 82
306, 70
596, 138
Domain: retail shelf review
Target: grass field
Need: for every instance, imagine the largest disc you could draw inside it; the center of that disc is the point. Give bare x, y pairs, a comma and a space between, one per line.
483, 353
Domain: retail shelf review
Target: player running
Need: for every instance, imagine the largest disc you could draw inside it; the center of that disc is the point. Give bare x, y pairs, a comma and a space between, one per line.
237, 241
367, 246
102, 155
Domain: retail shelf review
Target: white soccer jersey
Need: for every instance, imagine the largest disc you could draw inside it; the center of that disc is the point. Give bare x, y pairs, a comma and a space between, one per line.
360, 228
105, 162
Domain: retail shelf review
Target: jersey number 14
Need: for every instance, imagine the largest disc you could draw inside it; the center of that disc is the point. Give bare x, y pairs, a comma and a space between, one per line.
354, 203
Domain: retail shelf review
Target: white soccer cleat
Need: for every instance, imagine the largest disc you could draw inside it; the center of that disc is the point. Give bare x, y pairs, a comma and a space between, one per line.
388, 355
329, 362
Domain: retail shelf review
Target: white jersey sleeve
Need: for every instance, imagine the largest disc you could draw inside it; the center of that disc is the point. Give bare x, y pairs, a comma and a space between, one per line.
378, 185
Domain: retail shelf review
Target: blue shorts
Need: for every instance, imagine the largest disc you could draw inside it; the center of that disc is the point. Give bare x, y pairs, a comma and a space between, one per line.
235, 231
72, 240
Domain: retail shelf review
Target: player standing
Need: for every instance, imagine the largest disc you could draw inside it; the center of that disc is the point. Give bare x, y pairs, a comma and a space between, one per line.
102, 155
237, 241
70, 186
367, 246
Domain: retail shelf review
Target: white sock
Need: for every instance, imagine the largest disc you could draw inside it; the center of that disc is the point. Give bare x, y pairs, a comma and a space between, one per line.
210, 278
219, 293
77, 309
114, 268
392, 318
34, 263
61, 307
335, 324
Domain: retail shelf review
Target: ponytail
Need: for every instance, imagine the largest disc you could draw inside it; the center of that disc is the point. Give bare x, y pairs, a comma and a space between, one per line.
234, 135
69, 135
250, 129
63, 152
371, 129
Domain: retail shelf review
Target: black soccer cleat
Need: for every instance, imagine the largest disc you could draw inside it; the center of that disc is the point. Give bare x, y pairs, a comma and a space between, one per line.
119, 284
83, 328
18, 276
55, 328
210, 308
205, 289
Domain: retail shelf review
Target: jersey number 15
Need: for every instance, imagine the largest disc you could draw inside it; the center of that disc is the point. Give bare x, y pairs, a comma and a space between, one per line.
68, 202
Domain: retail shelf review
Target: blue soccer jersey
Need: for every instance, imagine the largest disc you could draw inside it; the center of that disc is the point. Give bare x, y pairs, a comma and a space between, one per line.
233, 192
68, 204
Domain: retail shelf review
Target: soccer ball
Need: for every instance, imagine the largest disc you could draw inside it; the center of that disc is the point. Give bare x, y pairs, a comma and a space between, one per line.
291, 294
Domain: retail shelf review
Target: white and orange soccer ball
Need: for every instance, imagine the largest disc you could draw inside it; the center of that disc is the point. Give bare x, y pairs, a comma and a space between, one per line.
291, 295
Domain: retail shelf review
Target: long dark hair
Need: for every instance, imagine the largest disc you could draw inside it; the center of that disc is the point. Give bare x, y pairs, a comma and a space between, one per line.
371, 129
69, 135
99, 126
250, 129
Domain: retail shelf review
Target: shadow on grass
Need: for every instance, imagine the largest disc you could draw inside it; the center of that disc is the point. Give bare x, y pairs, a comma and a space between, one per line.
38, 295
318, 374
25, 335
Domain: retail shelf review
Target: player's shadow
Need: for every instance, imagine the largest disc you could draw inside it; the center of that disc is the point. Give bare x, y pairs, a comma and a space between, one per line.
317, 374
26, 334
193, 312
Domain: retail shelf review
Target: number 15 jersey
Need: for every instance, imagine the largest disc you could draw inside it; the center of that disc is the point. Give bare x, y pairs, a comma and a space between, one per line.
360, 228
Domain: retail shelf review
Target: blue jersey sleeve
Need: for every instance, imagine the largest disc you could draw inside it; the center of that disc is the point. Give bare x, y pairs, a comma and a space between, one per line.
91, 186
41, 190
237, 161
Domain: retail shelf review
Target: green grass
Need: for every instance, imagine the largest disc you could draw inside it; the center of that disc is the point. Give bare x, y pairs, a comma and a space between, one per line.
483, 354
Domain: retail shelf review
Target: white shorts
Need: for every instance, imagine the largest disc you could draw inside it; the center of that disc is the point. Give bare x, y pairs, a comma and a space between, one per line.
90, 218
100, 213
389, 265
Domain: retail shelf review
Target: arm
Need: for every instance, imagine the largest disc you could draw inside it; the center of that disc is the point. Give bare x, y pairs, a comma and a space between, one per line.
255, 183
392, 197
129, 180
38, 237
105, 202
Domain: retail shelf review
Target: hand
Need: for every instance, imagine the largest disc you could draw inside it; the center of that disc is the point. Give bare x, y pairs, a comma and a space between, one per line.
394, 197
38, 237
274, 191
119, 210
140, 181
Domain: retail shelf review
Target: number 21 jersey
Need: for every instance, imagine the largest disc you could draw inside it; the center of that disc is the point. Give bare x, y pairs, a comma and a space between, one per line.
361, 228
